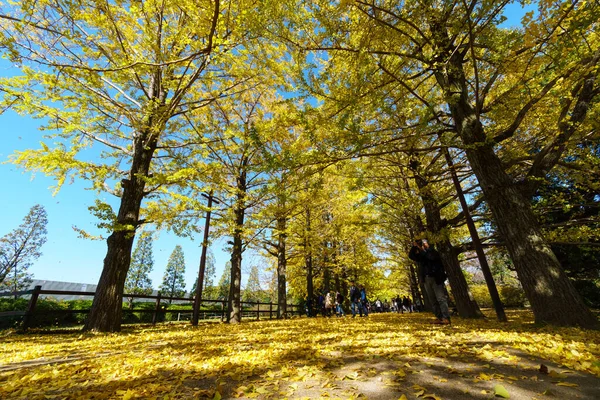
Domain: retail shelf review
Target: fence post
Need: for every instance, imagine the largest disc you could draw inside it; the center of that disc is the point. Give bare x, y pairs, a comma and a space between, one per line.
31, 307
258, 310
223, 311
270, 310
156, 309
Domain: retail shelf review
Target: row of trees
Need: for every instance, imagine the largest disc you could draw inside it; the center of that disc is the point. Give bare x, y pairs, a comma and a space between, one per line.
332, 134
173, 283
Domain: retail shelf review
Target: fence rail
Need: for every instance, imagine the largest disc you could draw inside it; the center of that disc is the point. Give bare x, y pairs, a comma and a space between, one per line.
158, 310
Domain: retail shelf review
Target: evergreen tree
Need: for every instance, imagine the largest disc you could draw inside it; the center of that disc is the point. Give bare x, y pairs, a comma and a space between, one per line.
142, 263
173, 284
253, 291
21, 247
224, 282
208, 289
272, 286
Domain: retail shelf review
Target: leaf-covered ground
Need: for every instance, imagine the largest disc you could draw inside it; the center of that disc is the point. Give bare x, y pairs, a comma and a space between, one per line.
384, 356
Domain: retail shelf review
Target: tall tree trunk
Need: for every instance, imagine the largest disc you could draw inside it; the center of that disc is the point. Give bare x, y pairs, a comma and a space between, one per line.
281, 268
234, 306
414, 285
552, 297
107, 307
466, 305
310, 291
418, 225
485, 268
326, 272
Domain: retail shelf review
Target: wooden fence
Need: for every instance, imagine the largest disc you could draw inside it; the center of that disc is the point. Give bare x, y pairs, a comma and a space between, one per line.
158, 311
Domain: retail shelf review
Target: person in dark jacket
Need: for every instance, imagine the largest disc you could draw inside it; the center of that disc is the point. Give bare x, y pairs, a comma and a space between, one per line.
355, 300
433, 276
363, 301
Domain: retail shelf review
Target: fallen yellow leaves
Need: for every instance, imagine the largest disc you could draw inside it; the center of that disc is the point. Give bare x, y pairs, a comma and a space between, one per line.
395, 355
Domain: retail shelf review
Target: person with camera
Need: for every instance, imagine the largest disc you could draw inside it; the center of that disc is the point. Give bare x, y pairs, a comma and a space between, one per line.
433, 276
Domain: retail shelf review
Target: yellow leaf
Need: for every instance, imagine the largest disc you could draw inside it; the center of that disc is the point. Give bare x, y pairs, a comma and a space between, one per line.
484, 377
403, 397
128, 395
568, 384
556, 375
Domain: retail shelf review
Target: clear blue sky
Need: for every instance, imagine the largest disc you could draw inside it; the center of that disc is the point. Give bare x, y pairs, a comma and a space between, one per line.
65, 256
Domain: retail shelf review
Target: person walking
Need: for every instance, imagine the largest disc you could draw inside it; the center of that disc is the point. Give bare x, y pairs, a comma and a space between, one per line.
328, 304
406, 304
355, 300
363, 300
432, 274
339, 301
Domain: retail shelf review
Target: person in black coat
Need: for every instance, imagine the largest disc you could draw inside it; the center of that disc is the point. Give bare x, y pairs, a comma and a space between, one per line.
433, 276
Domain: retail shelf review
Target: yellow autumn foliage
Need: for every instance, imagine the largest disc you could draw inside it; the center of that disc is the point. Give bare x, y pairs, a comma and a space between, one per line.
385, 355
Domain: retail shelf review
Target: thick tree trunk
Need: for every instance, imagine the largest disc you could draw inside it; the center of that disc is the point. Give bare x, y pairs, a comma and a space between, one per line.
466, 305
281, 269
107, 307
552, 297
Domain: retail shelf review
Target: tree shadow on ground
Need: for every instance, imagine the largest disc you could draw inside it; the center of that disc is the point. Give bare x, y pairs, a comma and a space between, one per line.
381, 357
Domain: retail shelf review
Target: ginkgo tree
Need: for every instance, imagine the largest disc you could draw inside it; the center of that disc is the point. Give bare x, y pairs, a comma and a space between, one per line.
485, 83
113, 83
233, 159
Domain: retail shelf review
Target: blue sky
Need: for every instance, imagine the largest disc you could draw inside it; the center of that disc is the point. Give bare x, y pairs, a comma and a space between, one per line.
65, 256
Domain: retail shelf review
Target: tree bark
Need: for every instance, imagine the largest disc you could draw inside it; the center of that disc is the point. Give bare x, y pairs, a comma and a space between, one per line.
466, 305
234, 306
202, 267
414, 285
281, 268
308, 261
552, 297
485, 268
107, 307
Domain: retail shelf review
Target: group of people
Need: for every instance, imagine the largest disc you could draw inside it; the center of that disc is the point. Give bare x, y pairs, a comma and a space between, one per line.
332, 303
431, 274
398, 304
